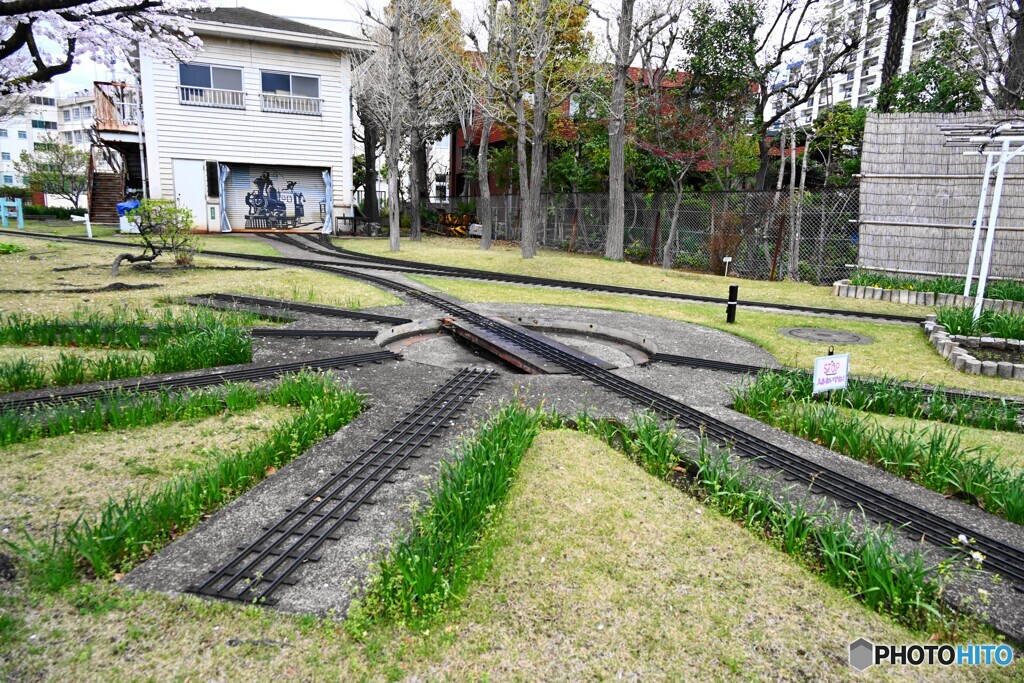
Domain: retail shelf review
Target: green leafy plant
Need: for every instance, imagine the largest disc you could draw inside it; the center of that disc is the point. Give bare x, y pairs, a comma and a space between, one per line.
6, 249
426, 566
129, 530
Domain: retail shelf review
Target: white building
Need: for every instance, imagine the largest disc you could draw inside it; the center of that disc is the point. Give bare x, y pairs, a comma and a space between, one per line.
75, 118
858, 85
257, 127
25, 133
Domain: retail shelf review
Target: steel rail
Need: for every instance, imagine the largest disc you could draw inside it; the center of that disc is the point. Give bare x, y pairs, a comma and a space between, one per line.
747, 369
328, 334
329, 311
846, 491
318, 518
210, 379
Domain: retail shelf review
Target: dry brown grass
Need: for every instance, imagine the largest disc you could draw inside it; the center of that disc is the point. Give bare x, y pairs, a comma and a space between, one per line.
77, 474
34, 270
506, 258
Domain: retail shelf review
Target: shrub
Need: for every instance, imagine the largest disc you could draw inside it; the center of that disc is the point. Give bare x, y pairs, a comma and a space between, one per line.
961, 321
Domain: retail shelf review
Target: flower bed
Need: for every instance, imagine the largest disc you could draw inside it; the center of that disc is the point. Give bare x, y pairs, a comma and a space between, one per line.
921, 298
962, 352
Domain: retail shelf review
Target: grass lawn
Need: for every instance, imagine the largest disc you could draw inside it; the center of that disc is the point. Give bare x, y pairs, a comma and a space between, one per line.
505, 258
898, 350
1006, 448
594, 569
77, 474
47, 267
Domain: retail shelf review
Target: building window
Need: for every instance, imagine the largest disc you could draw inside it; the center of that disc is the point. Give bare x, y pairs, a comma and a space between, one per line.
41, 146
3, 132
67, 137
67, 115
78, 136
44, 125
22, 135
8, 180
290, 94
6, 156
45, 101
87, 111
76, 113
203, 85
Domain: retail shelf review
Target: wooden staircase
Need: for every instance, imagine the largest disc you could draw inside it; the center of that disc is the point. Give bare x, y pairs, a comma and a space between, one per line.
106, 193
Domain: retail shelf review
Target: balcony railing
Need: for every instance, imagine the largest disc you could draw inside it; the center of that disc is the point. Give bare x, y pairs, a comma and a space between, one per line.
211, 97
117, 108
290, 104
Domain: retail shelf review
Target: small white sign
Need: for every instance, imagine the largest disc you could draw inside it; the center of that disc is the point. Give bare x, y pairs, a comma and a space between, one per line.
831, 372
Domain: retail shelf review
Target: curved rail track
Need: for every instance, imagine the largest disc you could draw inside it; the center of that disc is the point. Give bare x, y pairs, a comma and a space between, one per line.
845, 491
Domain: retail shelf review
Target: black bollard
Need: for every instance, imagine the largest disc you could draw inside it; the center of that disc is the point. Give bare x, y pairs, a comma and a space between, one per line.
730, 307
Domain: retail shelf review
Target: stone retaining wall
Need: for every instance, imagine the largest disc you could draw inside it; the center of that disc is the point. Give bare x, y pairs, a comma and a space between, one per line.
909, 296
957, 350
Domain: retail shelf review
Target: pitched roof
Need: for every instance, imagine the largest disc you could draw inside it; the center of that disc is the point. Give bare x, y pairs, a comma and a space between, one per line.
243, 16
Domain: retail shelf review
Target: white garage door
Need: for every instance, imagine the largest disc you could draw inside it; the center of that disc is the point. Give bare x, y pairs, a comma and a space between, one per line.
275, 197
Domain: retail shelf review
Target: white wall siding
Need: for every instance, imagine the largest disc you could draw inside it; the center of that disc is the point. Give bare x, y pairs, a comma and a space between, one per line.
250, 135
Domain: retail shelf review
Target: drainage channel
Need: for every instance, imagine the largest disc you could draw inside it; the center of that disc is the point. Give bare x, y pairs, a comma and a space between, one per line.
845, 491
264, 565
211, 379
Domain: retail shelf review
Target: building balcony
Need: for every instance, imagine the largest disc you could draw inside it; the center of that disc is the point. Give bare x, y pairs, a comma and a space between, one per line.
211, 97
290, 104
117, 108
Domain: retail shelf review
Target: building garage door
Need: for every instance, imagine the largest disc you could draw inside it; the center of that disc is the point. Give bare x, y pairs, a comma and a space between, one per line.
262, 197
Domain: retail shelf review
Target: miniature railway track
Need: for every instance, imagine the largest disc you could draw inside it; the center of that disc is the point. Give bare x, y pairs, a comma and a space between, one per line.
210, 379
746, 369
264, 565
329, 311
453, 271
328, 334
399, 265
845, 491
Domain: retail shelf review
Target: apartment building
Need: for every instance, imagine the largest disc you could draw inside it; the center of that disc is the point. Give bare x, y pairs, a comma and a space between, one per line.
75, 118
858, 85
25, 133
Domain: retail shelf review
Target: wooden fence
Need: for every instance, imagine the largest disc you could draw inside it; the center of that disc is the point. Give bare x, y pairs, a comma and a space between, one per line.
919, 198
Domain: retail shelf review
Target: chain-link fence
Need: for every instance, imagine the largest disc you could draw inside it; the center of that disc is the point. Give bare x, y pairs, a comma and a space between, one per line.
754, 229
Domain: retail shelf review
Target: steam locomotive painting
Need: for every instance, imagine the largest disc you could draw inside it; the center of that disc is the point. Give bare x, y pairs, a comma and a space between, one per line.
275, 198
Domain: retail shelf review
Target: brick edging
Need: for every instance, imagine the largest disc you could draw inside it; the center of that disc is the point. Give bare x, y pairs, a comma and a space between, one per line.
955, 349
909, 296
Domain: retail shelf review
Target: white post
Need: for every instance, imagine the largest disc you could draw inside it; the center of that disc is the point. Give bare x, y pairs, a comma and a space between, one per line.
993, 217
977, 223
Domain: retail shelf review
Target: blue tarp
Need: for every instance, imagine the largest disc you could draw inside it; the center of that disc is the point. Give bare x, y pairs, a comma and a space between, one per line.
125, 207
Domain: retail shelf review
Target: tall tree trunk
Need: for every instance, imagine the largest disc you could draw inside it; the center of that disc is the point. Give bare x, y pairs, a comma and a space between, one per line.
1011, 89
370, 208
613, 243
668, 253
414, 184
525, 183
794, 227
394, 205
483, 205
764, 163
898, 13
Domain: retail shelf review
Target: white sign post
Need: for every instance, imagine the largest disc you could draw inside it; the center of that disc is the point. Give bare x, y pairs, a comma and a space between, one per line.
831, 372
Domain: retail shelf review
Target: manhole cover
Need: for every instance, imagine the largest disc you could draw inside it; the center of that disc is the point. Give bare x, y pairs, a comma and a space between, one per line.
823, 335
